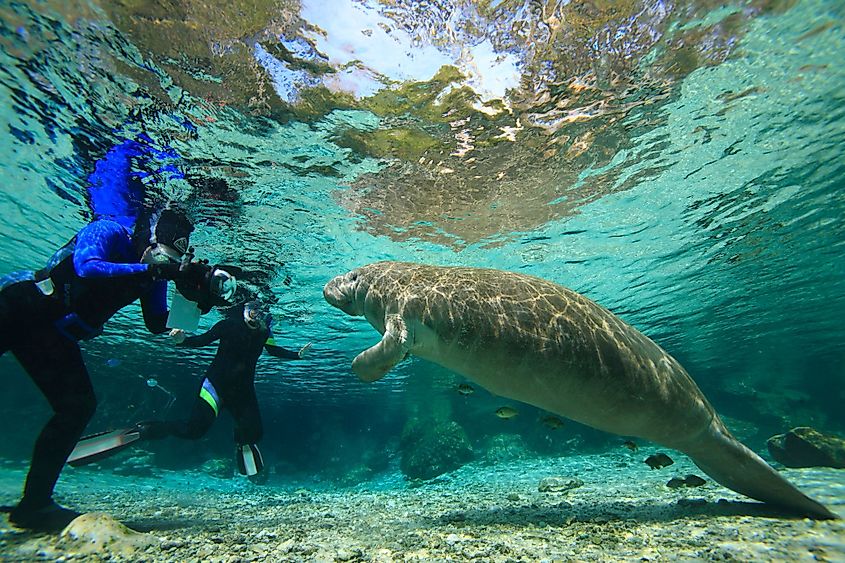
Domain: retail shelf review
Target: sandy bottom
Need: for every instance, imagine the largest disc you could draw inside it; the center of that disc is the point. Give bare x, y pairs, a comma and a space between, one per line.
622, 512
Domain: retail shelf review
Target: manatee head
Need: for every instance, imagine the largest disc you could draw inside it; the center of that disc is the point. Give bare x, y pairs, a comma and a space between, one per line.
346, 293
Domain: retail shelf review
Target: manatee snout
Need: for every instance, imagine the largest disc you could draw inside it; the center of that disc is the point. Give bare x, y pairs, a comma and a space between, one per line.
340, 293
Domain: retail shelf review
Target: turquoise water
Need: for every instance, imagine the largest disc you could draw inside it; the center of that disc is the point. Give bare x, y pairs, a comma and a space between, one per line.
679, 163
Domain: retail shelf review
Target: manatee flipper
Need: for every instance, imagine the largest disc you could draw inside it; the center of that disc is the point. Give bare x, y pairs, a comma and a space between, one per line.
373, 363
729, 462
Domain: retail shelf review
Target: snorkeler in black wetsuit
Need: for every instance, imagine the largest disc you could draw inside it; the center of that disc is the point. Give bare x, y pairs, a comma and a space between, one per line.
229, 383
44, 314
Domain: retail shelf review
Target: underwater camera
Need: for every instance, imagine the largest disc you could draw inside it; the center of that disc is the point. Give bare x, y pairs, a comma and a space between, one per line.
206, 285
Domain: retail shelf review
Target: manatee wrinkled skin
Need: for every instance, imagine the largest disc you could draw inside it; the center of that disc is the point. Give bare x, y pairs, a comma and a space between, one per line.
532, 340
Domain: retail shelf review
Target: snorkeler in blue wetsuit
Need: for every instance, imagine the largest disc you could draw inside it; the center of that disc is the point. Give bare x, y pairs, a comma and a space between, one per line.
229, 383
44, 314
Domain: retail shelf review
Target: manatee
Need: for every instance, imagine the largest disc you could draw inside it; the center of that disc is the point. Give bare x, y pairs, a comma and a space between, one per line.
531, 340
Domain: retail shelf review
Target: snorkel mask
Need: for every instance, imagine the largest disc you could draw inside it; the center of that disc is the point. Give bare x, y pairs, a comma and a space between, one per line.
253, 313
169, 235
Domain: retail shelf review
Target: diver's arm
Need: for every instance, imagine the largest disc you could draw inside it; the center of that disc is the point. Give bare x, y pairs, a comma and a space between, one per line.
284, 353
94, 244
279, 352
204, 339
154, 307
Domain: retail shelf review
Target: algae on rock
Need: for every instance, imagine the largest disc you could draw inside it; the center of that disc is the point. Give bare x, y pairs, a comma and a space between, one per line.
429, 450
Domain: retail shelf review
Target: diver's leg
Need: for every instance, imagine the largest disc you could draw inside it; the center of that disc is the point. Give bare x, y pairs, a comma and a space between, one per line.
19, 305
56, 366
202, 417
203, 414
248, 426
248, 432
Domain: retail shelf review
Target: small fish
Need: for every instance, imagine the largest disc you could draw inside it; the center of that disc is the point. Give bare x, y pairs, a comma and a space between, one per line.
694, 481
676, 483
152, 382
658, 461
506, 412
630, 445
113, 362
466, 389
552, 422
688, 481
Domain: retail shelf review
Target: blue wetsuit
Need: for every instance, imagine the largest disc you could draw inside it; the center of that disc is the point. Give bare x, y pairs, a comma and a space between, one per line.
86, 282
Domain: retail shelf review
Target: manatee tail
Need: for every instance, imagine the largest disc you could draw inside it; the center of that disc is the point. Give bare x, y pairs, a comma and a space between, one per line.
735, 466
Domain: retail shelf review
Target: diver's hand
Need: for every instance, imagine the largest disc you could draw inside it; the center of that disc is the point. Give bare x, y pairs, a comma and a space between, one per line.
304, 350
195, 273
194, 284
165, 271
178, 335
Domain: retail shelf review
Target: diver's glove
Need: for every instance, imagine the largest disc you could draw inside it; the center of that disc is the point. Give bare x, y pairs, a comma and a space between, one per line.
178, 336
193, 284
167, 271
191, 274
195, 274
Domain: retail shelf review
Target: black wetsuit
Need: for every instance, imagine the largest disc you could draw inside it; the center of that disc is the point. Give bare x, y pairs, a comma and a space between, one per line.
86, 282
229, 383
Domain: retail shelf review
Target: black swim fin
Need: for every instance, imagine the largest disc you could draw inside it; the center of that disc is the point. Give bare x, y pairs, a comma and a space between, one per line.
102, 445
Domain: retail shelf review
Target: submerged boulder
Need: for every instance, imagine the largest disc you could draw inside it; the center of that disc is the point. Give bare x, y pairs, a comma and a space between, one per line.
806, 447
99, 533
429, 450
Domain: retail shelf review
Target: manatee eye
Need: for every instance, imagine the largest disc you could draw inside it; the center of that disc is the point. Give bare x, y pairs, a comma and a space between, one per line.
353, 276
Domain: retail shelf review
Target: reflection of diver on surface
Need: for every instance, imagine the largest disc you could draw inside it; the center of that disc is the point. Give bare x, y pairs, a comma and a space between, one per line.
44, 314
229, 383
